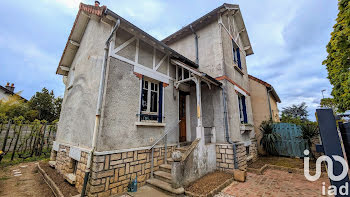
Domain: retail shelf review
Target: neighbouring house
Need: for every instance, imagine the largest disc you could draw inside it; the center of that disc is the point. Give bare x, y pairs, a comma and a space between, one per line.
264, 102
133, 105
7, 91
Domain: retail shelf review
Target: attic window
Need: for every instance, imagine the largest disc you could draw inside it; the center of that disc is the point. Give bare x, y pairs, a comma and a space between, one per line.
236, 54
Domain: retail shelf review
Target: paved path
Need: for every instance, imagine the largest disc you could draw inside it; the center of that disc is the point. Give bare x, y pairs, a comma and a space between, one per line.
275, 183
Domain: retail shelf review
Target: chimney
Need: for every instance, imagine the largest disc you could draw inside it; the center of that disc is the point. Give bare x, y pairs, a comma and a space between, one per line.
97, 3
10, 88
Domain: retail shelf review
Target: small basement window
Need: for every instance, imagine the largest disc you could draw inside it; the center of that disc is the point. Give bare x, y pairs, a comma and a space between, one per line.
151, 100
75, 166
247, 150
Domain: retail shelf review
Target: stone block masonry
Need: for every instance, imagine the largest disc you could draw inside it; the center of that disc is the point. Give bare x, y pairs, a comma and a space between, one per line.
65, 164
112, 173
225, 156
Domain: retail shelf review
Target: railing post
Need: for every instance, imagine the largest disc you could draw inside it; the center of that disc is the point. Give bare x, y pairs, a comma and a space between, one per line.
165, 149
152, 163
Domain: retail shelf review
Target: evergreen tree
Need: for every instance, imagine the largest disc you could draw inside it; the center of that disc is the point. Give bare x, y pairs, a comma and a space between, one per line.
338, 59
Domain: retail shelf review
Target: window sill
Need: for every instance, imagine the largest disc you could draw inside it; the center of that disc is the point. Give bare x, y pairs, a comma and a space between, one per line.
244, 127
150, 124
70, 177
238, 69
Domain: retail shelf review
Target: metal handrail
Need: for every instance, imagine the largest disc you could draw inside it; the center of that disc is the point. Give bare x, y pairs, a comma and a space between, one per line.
164, 134
165, 146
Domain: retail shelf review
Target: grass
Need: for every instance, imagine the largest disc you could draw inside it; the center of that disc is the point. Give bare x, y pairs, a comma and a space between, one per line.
6, 161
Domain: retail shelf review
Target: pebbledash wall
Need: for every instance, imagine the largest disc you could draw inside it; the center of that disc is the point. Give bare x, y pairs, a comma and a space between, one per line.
225, 156
112, 171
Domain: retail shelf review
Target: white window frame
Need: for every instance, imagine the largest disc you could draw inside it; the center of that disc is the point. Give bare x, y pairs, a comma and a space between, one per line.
149, 91
240, 108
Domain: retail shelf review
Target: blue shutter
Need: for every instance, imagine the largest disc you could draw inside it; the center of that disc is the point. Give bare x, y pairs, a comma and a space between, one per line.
160, 108
239, 58
245, 117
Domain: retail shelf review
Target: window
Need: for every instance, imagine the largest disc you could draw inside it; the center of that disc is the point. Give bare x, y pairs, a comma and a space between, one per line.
236, 54
151, 100
242, 109
247, 150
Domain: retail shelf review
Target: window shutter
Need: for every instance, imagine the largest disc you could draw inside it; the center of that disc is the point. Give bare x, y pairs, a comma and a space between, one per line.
160, 107
239, 58
245, 117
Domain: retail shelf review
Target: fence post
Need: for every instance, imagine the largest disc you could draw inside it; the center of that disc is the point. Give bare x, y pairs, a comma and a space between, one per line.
42, 140
14, 148
6, 136
48, 138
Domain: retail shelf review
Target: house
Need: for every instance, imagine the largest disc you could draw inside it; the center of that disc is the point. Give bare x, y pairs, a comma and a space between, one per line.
264, 102
133, 105
7, 91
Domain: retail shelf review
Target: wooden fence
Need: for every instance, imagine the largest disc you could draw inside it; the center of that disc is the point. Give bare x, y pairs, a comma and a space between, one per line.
24, 140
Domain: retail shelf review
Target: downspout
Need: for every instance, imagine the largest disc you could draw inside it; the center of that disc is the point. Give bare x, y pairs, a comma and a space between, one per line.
98, 107
268, 99
228, 139
196, 40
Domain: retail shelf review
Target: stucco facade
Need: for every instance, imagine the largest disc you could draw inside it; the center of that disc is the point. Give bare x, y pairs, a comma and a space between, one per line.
216, 58
264, 103
148, 89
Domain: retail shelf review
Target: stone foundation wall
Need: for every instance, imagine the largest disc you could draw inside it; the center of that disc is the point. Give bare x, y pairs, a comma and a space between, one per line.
111, 173
225, 156
64, 164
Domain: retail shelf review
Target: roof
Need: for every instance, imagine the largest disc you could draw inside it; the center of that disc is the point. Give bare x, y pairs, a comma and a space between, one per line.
10, 92
269, 86
76, 33
79, 27
207, 19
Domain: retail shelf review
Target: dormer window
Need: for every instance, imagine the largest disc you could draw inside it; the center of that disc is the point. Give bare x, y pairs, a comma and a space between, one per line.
236, 55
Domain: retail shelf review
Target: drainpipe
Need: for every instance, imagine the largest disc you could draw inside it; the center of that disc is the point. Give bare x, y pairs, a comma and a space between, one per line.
196, 39
99, 106
228, 139
268, 99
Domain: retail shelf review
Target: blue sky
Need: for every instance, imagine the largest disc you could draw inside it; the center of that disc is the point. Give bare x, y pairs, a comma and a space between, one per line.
288, 39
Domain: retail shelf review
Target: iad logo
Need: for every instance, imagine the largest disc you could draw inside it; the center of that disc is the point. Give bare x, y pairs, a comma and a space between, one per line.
329, 167
332, 190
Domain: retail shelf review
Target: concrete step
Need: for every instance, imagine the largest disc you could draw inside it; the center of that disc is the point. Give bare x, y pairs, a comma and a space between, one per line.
164, 176
170, 161
182, 149
165, 186
165, 168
